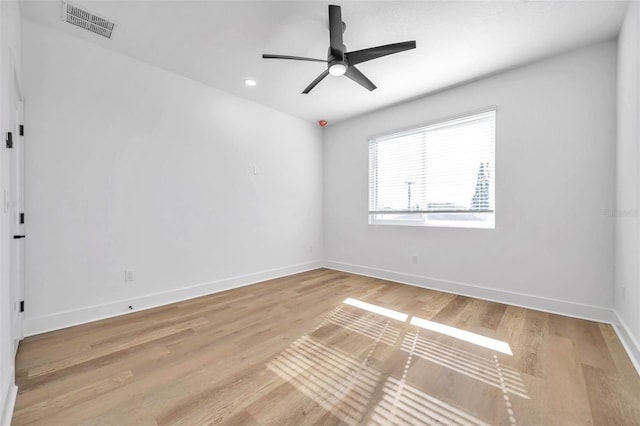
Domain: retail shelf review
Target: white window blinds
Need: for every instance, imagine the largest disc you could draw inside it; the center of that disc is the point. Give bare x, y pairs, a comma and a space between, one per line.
441, 174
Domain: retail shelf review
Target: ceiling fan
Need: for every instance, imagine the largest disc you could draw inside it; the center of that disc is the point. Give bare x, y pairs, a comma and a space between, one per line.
339, 62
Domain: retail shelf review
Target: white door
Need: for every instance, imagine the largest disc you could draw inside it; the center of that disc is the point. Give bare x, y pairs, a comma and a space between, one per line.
16, 211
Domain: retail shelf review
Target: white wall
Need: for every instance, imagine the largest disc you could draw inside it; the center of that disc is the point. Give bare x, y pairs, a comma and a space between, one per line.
9, 59
627, 290
552, 248
132, 167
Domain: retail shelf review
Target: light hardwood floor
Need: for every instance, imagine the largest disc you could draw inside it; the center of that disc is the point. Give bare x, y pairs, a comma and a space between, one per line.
296, 351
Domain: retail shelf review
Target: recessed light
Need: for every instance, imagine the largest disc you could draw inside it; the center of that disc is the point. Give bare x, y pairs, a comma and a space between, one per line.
250, 82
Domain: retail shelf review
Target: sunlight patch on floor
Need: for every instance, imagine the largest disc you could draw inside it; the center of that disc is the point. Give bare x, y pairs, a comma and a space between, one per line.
466, 363
344, 383
383, 331
376, 309
403, 404
467, 336
338, 383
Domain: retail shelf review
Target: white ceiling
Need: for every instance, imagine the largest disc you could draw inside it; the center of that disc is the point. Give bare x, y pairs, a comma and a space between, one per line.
220, 43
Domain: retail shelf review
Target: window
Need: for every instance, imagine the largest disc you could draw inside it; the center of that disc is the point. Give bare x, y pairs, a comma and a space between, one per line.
436, 175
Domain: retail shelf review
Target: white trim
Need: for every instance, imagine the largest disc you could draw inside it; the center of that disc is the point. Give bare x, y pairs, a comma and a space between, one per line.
9, 393
555, 306
430, 123
627, 339
65, 319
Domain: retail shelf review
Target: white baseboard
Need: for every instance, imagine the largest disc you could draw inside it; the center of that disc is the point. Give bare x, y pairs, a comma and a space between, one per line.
555, 306
65, 319
9, 393
628, 340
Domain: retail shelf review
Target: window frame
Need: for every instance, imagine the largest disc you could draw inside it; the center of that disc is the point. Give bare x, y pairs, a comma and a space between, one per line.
436, 223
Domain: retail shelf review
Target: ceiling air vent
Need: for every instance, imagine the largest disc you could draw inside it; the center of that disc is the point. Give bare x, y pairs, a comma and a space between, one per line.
87, 20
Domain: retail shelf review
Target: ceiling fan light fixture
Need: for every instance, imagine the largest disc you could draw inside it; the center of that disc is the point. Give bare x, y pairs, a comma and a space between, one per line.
337, 70
340, 62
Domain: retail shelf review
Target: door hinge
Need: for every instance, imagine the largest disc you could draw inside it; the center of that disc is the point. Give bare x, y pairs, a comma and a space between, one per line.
9, 140
21, 130
22, 306
21, 218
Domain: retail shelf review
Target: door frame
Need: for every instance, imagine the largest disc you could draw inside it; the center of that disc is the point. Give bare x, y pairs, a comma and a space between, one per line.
16, 205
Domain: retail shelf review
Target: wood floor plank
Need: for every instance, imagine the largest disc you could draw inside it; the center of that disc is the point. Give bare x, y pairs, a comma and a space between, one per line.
289, 351
58, 403
129, 356
567, 393
108, 350
591, 347
531, 355
511, 325
33, 395
432, 302
618, 355
452, 309
492, 315
614, 401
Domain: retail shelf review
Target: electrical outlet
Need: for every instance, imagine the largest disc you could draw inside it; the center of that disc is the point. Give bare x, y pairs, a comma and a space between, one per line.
414, 258
310, 249
129, 276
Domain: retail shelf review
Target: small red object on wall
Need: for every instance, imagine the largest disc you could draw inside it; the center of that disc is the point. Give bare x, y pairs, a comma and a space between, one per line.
322, 123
